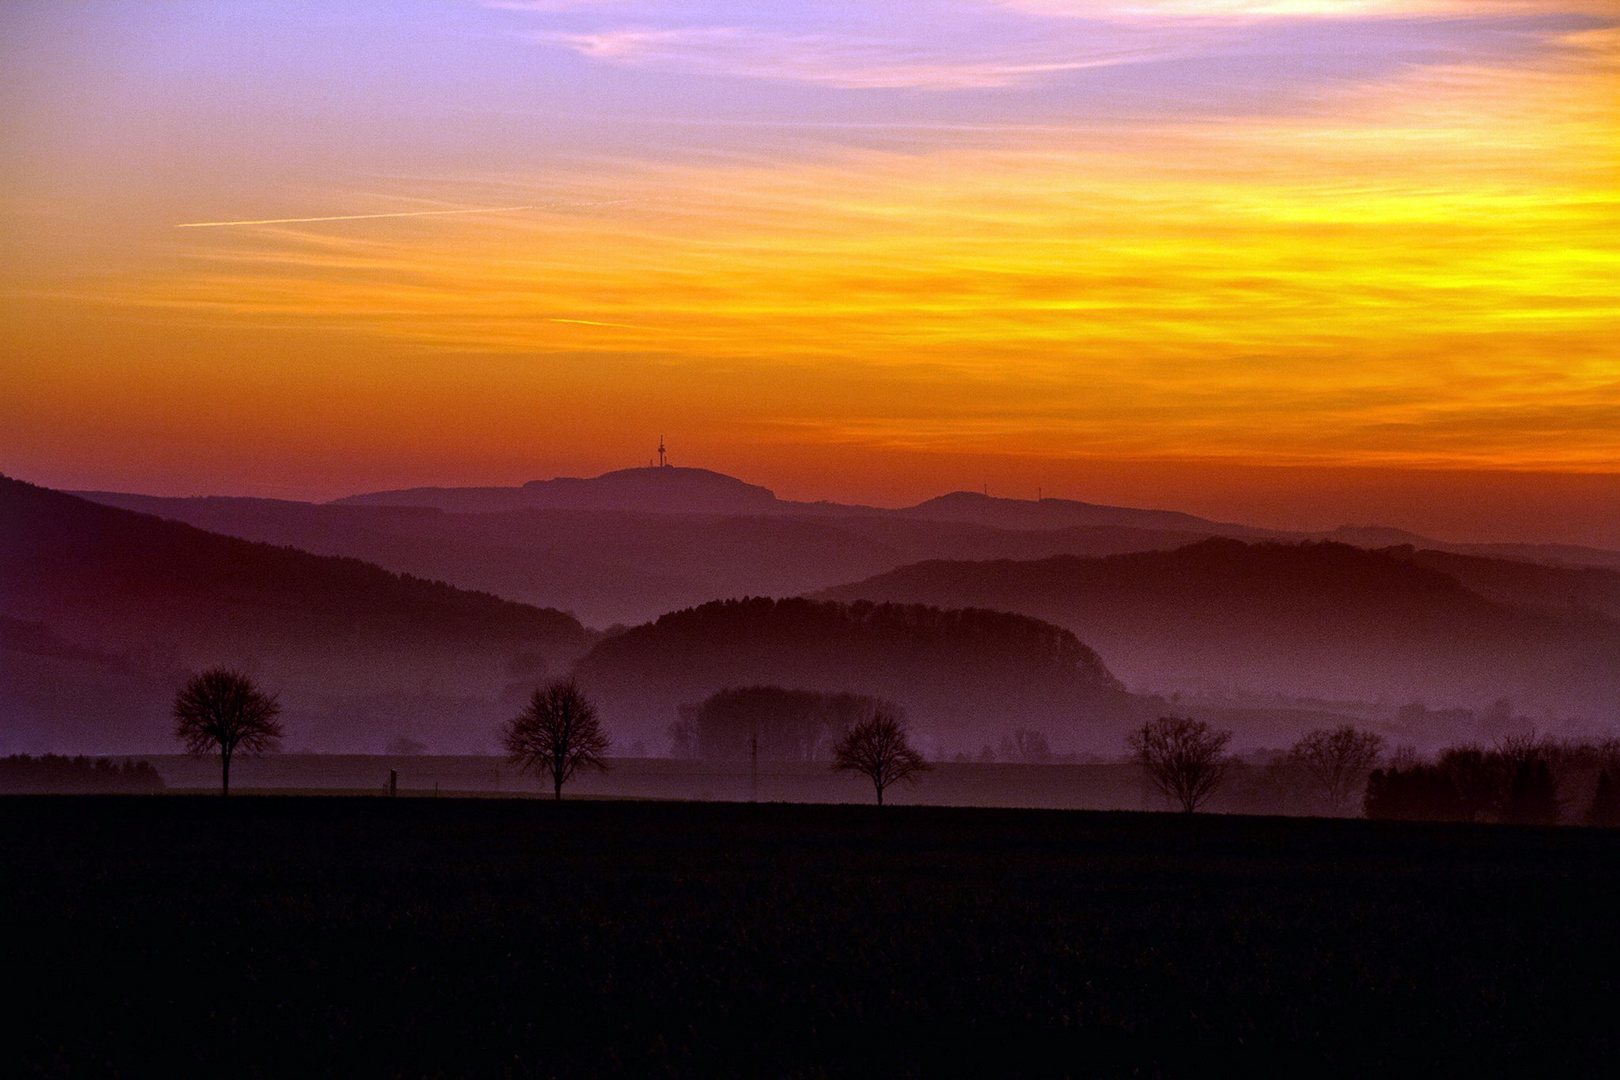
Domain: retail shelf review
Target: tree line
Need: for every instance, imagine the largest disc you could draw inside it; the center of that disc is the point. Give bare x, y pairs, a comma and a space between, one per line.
1523, 779
21, 774
559, 733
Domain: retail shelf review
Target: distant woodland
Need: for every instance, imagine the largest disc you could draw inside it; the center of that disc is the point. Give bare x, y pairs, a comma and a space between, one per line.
962, 675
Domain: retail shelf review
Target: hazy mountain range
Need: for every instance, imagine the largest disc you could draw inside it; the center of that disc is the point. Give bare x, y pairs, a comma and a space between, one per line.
103, 606
629, 545
1317, 619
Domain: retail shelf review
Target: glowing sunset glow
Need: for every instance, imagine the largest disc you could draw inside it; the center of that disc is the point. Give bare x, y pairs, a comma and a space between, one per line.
846, 250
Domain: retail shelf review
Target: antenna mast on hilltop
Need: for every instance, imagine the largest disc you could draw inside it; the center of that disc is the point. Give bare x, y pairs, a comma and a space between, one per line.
661, 462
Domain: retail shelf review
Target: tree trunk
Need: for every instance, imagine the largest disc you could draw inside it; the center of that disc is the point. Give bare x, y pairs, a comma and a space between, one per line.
225, 773
880, 793
556, 787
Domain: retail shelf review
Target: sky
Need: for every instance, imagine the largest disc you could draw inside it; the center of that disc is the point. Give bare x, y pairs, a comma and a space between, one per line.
1297, 262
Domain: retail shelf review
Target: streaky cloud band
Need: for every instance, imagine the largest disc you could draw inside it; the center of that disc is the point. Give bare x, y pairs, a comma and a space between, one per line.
351, 217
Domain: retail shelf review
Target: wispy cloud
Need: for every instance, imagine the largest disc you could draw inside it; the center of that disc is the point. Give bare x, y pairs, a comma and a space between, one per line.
931, 61
350, 217
1421, 274
1410, 259
1343, 10
991, 44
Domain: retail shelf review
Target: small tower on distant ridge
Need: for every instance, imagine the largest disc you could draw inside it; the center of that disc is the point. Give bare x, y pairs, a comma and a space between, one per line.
661, 462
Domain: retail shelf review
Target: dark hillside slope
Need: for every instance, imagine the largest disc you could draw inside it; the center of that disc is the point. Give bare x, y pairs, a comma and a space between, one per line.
1314, 620
1563, 590
964, 677
167, 597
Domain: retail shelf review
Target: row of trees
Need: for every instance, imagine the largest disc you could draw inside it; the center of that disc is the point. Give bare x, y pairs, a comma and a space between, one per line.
559, 733
22, 774
1523, 779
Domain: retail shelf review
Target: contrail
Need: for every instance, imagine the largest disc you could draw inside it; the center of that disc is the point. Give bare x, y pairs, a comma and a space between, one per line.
620, 325
351, 217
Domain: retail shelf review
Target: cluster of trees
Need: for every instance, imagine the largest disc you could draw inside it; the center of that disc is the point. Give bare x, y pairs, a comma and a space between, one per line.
1187, 760
778, 724
1027, 745
560, 733
1522, 780
50, 773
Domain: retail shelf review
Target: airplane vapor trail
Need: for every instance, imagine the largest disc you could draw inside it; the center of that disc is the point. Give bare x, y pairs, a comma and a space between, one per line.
593, 322
351, 217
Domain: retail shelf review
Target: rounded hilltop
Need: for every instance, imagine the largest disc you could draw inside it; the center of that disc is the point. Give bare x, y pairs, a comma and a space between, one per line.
654, 488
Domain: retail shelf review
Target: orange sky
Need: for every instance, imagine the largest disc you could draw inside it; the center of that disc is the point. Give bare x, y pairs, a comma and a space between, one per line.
1175, 253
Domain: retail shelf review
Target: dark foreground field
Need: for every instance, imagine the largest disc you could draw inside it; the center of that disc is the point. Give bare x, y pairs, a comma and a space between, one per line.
367, 936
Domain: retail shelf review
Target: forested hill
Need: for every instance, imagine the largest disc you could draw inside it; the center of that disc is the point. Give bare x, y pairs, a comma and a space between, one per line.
78, 566
965, 677
1312, 619
164, 597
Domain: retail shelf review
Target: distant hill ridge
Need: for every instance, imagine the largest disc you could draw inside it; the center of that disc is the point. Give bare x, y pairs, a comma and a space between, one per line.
102, 609
1309, 619
966, 677
671, 489
627, 546
679, 490
657, 489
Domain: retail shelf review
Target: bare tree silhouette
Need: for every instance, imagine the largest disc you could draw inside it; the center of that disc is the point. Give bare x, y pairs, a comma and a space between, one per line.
1338, 759
556, 735
223, 710
1185, 758
877, 748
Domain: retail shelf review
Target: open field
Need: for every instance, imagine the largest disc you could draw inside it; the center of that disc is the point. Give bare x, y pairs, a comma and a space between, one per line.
1064, 787
367, 936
